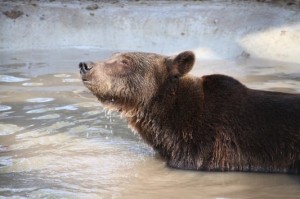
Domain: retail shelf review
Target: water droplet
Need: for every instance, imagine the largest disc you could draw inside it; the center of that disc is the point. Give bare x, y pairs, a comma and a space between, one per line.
8, 78
40, 100
4, 108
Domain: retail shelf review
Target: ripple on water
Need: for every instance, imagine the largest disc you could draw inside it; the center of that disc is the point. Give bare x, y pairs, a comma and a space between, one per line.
40, 100
62, 75
88, 104
67, 80
8, 129
90, 113
5, 161
40, 110
44, 117
4, 108
32, 84
43, 131
79, 129
9, 78
59, 193
43, 110
67, 107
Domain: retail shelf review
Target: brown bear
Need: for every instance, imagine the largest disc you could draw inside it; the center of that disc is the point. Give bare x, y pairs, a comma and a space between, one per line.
211, 123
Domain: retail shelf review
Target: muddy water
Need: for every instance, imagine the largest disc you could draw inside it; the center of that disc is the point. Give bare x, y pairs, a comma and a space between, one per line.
57, 142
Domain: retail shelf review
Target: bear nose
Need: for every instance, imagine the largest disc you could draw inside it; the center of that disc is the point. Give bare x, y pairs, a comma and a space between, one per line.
85, 67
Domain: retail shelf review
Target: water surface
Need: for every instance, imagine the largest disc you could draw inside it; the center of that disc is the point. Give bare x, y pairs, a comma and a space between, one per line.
57, 142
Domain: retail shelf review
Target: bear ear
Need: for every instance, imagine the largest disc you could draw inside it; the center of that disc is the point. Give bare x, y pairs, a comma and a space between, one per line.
183, 62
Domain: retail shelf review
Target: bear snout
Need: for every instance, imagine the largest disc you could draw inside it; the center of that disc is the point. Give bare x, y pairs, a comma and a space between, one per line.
85, 67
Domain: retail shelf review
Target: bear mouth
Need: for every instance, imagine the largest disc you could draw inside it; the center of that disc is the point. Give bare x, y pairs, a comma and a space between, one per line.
84, 78
87, 82
104, 99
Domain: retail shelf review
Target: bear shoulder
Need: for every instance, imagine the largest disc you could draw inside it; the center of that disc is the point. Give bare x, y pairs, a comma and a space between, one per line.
222, 85
222, 81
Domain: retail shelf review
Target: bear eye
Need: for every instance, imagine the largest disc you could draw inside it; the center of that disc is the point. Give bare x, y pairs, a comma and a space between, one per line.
125, 62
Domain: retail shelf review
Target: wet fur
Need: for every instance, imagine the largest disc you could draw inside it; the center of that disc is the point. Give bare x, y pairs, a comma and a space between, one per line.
210, 123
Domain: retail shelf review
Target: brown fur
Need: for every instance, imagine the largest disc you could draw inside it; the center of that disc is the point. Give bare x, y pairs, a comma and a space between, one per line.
201, 123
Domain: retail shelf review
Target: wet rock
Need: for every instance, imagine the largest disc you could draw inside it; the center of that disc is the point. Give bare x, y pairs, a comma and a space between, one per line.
13, 14
42, 17
92, 7
283, 32
244, 55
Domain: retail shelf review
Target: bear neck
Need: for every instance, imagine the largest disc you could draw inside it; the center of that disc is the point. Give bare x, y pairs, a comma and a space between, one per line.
170, 121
